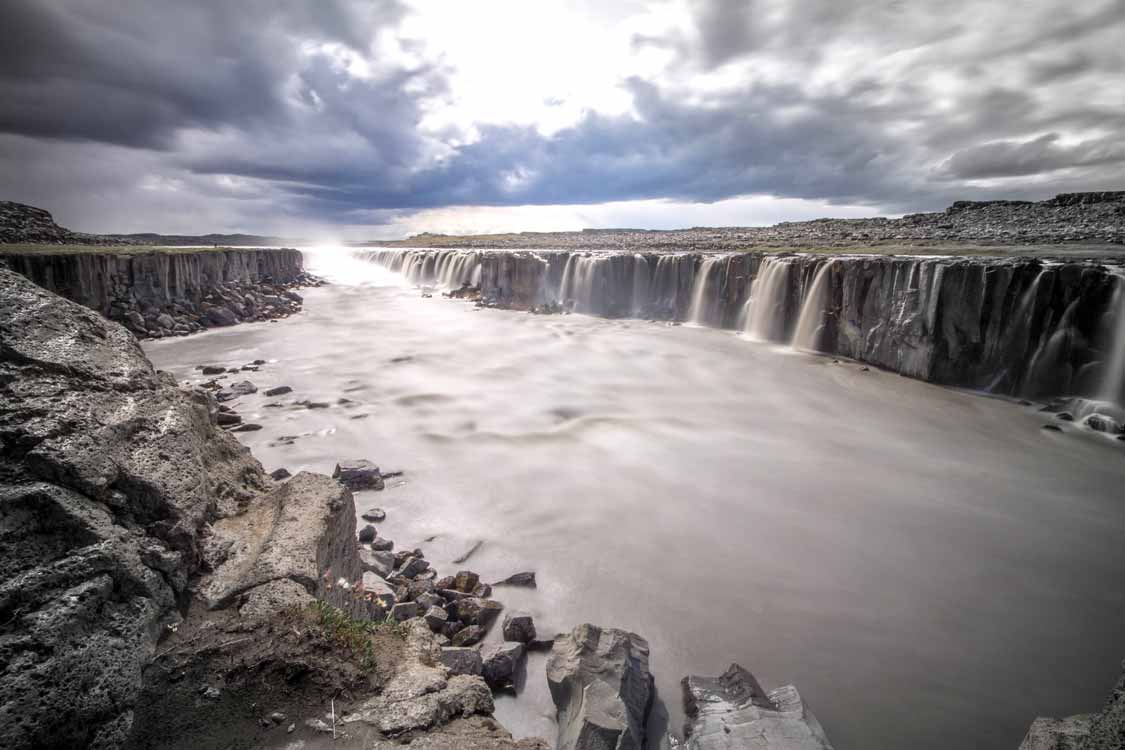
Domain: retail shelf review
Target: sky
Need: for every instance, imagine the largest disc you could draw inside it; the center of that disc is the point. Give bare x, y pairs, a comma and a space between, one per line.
374, 119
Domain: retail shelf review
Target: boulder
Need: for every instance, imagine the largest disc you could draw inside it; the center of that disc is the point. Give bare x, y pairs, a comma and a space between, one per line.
280, 474
501, 663
165, 321
117, 473
602, 689
383, 545
404, 611
469, 636
280, 390
474, 611
243, 388
465, 581
219, 316
519, 627
380, 563
359, 474
367, 534
732, 711
436, 618
213, 369
412, 566
462, 660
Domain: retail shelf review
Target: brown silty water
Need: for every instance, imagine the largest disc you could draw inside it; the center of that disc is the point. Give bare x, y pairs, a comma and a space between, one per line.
928, 566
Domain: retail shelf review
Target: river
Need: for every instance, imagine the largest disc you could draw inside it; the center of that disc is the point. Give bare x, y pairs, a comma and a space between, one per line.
928, 566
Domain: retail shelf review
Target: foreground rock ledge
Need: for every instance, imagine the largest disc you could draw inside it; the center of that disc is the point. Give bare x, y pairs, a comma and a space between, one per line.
158, 590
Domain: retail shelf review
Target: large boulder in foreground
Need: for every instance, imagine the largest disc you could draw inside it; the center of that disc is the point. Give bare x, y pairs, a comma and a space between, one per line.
732, 712
1104, 730
109, 475
602, 689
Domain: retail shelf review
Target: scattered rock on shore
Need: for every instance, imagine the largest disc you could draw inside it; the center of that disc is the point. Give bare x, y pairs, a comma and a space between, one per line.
518, 579
358, 474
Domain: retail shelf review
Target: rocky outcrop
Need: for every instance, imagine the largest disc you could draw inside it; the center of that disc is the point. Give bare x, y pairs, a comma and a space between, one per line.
164, 292
731, 712
602, 689
23, 223
108, 476
1104, 730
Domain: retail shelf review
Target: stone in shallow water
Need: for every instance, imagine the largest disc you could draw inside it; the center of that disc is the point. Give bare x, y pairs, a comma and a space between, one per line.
244, 388
732, 711
280, 474
367, 534
374, 515
526, 578
382, 545
358, 474
280, 390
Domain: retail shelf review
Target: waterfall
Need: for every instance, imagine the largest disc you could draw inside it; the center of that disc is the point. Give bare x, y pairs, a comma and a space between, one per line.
704, 294
1113, 379
1049, 371
766, 306
444, 268
811, 321
641, 286
581, 280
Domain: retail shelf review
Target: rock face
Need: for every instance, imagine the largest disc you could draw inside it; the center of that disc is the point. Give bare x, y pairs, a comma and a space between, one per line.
108, 475
191, 290
1007, 325
601, 687
731, 712
23, 223
1104, 730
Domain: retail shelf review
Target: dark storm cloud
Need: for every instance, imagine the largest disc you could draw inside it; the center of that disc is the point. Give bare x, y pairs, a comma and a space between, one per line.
250, 106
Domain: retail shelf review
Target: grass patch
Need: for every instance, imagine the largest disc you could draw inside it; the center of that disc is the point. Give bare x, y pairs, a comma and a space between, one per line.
352, 633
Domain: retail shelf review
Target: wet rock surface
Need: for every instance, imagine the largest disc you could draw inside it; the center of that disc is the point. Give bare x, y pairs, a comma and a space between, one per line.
601, 686
732, 711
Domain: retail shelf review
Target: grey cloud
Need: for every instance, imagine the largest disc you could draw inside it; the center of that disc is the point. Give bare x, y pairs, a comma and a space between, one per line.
1042, 154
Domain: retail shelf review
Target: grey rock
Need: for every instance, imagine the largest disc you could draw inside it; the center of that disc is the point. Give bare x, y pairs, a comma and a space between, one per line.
430, 599
227, 418
383, 545
404, 611
380, 563
412, 567
108, 528
164, 320
378, 594
526, 579
367, 534
732, 711
474, 611
220, 316
280, 474
602, 689
1070, 733
519, 627
247, 427
374, 515
359, 474
243, 387
213, 369
462, 660
280, 390
468, 636
501, 662
436, 618
465, 581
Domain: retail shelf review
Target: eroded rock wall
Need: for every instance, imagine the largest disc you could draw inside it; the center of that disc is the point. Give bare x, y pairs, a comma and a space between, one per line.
165, 293
1007, 325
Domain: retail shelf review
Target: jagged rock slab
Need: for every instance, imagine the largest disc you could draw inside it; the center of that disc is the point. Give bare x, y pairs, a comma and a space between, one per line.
602, 689
1058, 734
301, 530
108, 476
732, 712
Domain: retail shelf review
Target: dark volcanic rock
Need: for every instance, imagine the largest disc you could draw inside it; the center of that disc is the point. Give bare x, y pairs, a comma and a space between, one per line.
519, 627
601, 687
108, 475
280, 390
367, 534
358, 474
501, 662
374, 515
731, 712
518, 579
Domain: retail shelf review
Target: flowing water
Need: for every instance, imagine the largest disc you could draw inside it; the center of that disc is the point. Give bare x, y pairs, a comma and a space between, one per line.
767, 294
811, 322
929, 567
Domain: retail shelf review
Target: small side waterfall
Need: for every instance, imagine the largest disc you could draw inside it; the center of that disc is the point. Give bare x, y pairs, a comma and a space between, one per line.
1113, 378
704, 294
765, 308
445, 268
1049, 371
811, 322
